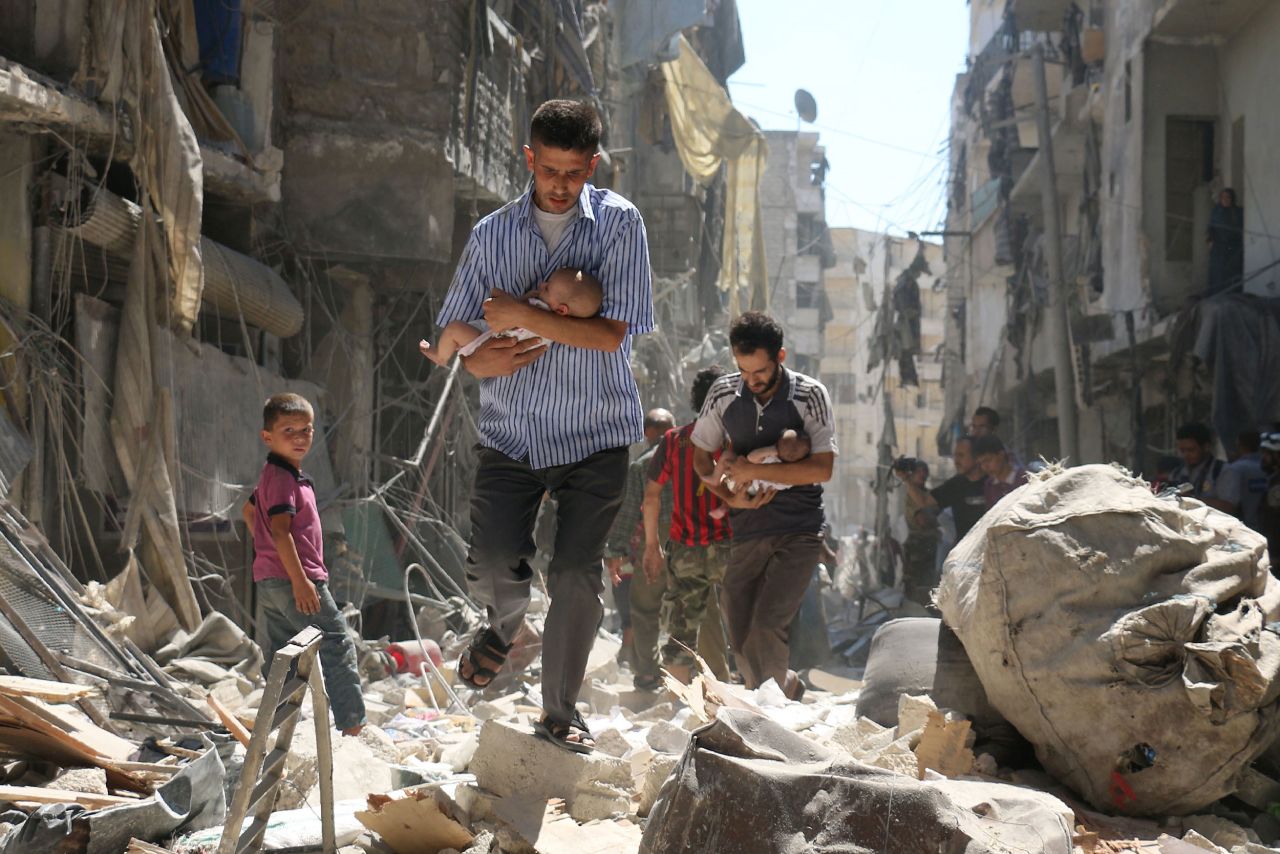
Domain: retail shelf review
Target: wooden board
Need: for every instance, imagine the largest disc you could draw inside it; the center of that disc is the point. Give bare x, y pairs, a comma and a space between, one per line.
43, 689
63, 726
36, 795
229, 720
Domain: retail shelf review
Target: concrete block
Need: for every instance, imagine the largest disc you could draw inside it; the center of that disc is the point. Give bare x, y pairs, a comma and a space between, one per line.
512, 761
612, 743
601, 697
599, 802
913, 713
666, 737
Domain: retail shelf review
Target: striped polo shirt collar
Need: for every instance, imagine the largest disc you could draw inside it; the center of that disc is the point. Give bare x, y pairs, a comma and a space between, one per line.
524, 205
277, 460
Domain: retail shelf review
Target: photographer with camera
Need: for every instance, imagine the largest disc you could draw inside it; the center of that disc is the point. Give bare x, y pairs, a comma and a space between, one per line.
920, 551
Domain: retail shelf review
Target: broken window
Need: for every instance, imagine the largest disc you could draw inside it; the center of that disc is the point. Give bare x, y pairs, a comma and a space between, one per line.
808, 295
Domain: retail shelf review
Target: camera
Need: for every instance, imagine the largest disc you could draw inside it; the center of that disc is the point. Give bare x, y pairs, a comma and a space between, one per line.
906, 465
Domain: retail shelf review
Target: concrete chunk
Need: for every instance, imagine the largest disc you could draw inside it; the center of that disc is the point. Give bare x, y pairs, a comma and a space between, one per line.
666, 737
511, 760
913, 713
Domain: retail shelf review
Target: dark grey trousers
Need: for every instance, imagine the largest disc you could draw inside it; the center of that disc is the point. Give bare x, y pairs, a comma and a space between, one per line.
504, 507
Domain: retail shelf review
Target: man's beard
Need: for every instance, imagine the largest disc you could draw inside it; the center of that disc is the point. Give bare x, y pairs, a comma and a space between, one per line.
773, 381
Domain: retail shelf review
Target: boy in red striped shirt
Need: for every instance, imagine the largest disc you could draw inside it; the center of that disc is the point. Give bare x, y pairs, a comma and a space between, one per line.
699, 543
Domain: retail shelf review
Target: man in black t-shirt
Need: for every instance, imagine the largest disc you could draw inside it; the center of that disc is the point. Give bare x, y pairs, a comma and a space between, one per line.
964, 493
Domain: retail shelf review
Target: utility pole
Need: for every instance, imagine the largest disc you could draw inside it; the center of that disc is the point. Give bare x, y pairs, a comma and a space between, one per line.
1064, 382
884, 454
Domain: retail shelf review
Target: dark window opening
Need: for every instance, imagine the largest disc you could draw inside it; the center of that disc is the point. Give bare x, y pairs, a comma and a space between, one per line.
1188, 165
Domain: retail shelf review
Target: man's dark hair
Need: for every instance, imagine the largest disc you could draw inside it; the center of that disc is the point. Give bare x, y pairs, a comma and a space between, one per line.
1200, 433
987, 445
988, 413
1249, 441
571, 125
279, 405
756, 330
702, 384
967, 437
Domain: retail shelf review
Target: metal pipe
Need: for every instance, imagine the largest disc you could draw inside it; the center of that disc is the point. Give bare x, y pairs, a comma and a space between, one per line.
235, 285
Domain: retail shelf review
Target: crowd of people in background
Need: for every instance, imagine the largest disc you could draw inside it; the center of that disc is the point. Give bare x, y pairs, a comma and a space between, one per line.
986, 471
1246, 485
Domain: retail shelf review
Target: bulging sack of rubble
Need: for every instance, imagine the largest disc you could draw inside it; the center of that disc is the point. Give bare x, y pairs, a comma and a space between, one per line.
1125, 636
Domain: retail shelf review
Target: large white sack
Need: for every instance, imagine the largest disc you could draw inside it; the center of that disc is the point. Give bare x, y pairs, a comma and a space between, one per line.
1126, 636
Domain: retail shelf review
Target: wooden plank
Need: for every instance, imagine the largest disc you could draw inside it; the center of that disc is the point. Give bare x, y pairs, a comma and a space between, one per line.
61, 726
36, 795
229, 720
137, 846
44, 689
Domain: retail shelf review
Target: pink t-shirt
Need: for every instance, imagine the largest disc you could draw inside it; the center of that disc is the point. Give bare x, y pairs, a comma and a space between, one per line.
284, 489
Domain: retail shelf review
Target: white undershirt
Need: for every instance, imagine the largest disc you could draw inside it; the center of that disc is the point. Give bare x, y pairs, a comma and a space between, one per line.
554, 225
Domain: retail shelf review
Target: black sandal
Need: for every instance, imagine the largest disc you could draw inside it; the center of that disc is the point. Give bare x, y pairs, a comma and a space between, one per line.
486, 643
558, 732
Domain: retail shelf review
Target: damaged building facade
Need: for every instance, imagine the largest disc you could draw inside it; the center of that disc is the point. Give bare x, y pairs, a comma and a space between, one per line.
202, 206
874, 407
1154, 107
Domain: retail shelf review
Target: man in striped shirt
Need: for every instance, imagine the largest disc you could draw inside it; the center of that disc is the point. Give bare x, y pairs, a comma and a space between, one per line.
554, 418
776, 535
698, 547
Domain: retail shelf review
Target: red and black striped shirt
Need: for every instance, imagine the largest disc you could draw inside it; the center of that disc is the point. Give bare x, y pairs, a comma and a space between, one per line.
691, 522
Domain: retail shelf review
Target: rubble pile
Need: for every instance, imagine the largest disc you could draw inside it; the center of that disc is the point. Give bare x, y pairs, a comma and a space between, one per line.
913, 752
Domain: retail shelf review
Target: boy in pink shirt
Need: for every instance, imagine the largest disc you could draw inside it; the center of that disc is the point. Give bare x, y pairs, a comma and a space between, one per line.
288, 563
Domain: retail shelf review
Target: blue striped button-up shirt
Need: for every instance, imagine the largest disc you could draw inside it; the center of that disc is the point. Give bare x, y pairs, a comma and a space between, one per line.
572, 402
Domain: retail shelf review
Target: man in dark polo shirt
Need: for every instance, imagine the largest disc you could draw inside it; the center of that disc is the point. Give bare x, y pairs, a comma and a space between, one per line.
776, 534
964, 494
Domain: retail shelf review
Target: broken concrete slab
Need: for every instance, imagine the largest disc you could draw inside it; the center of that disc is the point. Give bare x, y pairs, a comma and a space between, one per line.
511, 760
666, 737
362, 765
749, 785
596, 801
612, 743
913, 713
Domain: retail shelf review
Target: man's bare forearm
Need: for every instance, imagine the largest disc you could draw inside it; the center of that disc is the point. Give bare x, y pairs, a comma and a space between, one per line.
588, 333
652, 509
502, 357
704, 465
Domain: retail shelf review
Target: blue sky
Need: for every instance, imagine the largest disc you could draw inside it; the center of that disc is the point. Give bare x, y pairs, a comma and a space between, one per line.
882, 72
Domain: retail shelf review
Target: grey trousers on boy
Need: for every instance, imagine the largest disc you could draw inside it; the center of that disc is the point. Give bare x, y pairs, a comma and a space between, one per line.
337, 652
504, 507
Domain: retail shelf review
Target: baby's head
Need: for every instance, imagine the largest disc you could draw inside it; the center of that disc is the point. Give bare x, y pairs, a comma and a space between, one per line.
793, 446
573, 292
